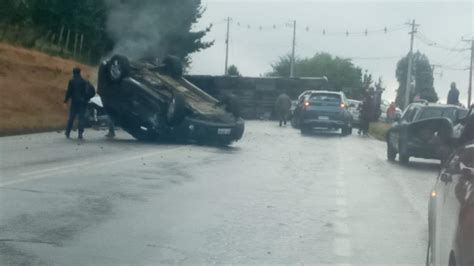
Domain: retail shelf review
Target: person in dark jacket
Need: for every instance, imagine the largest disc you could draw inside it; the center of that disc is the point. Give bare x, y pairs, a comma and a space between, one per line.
79, 92
367, 112
453, 95
282, 108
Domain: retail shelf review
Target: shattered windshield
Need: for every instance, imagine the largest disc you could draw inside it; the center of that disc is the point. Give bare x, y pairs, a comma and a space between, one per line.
236, 132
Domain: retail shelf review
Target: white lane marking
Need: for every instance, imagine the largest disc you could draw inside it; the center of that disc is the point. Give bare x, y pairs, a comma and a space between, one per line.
341, 193
44, 173
341, 214
52, 169
341, 228
340, 183
341, 202
342, 247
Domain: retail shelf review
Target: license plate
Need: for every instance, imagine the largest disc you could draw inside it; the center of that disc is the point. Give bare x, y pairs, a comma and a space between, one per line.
323, 117
223, 131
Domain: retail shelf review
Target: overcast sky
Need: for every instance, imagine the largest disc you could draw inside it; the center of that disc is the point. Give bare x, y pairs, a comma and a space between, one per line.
254, 50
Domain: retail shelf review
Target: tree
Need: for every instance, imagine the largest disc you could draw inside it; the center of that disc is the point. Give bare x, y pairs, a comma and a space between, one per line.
422, 76
233, 71
341, 73
145, 28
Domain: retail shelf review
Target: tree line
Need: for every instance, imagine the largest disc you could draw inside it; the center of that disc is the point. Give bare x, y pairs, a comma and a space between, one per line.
91, 17
344, 76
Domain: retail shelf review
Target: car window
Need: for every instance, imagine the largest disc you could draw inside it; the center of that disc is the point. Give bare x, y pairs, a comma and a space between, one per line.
410, 114
431, 112
325, 97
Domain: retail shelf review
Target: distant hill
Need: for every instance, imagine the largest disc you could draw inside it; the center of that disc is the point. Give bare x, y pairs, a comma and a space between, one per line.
32, 88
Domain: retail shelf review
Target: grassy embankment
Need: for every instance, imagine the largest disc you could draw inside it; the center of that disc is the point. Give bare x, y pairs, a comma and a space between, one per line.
379, 130
32, 86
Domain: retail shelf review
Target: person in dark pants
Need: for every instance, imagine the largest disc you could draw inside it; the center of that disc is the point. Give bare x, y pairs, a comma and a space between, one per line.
367, 112
282, 108
453, 95
79, 92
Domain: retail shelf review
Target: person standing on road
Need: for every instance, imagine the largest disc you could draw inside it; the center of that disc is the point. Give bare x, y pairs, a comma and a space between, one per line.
79, 92
282, 108
453, 95
367, 111
391, 112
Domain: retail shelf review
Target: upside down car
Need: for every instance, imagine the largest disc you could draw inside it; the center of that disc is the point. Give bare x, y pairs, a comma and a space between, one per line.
154, 102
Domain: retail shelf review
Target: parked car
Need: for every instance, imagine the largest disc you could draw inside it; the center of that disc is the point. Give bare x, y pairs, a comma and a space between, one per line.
451, 205
418, 132
323, 109
354, 109
153, 101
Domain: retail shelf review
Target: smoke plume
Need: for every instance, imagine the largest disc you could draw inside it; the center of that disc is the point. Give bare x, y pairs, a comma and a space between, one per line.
135, 27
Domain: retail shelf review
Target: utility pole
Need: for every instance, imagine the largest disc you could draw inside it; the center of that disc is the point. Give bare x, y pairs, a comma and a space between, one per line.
469, 90
410, 62
226, 71
292, 65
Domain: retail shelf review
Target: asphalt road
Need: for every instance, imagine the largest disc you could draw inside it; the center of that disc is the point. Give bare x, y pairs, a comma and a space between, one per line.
274, 197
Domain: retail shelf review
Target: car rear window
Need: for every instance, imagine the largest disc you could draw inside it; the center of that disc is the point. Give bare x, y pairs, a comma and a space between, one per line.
325, 97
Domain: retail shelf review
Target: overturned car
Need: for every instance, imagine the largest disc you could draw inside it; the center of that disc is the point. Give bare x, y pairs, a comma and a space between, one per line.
154, 102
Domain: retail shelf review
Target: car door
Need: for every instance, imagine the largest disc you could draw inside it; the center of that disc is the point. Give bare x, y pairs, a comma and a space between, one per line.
446, 208
464, 192
398, 127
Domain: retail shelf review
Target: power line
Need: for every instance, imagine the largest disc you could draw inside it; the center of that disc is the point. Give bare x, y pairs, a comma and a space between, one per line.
424, 39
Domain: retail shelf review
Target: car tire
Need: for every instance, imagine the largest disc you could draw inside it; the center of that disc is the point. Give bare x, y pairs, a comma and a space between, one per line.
118, 67
176, 110
173, 66
391, 152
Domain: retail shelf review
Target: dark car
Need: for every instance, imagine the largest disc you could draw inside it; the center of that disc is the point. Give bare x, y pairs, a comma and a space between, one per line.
153, 101
323, 109
451, 211
418, 132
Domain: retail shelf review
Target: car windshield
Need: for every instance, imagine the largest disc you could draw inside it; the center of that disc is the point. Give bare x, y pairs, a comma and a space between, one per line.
236, 132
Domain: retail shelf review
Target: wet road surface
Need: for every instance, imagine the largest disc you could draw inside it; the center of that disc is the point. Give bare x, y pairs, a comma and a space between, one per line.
274, 197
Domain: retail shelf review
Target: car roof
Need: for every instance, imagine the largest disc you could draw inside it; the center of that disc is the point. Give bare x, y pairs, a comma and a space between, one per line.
437, 105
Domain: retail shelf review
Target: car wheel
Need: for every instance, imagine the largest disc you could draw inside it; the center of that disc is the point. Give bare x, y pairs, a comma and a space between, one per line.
173, 66
176, 110
118, 67
429, 255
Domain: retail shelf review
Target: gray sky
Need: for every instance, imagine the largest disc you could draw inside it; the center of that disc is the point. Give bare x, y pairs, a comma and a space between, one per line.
253, 50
